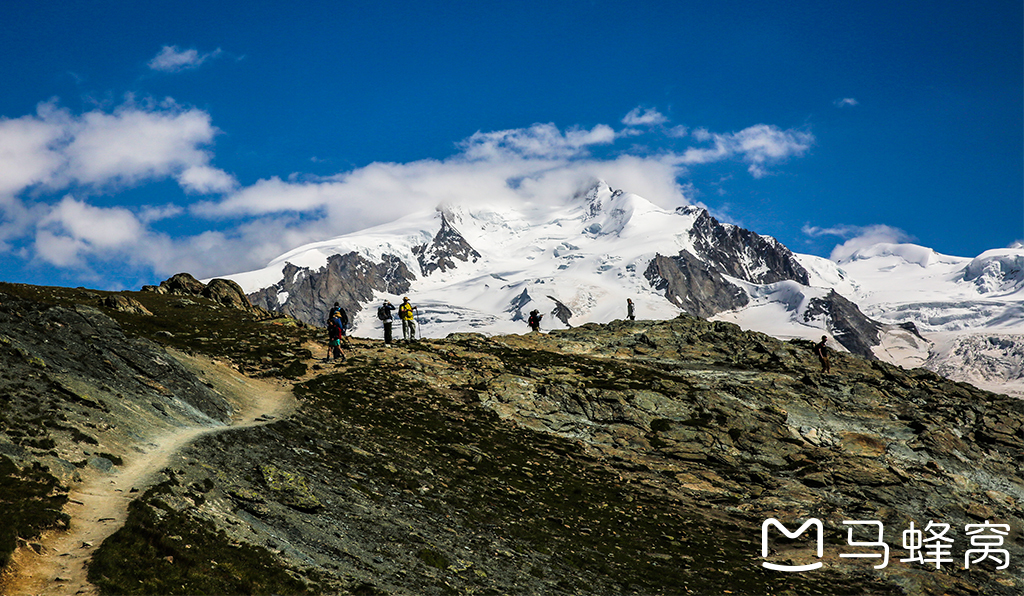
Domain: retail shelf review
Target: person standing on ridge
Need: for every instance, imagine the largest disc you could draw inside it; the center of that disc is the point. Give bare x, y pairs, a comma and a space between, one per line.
534, 320
405, 313
339, 313
821, 349
334, 334
630, 312
384, 314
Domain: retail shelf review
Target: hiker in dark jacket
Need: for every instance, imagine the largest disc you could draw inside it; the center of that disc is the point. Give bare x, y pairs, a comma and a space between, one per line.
338, 312
335, 331
821, 349
534, 320
384, 314
630, 312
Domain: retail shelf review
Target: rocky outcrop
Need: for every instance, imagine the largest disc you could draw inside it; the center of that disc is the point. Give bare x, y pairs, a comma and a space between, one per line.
694, 285
183, 284
228, 293
447, 246
561, 312
122, 303
857, 332
223, 291
740, 253
348, 279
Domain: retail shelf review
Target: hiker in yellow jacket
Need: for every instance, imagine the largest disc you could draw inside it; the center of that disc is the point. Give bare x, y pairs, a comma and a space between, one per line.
405, 312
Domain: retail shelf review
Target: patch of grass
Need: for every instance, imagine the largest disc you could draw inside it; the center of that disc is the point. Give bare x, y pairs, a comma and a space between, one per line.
433, 558
163, 551
30, 501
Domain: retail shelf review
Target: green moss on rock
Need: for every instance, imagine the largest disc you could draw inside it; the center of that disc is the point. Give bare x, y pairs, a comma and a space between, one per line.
290, 488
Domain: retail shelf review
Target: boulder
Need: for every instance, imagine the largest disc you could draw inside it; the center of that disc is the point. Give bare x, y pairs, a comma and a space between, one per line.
122, 303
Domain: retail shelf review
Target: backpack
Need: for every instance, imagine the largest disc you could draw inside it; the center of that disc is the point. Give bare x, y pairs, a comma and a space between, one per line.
383, 314
333, 329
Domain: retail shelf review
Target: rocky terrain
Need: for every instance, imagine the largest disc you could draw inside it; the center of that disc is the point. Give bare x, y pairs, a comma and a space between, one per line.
625, 458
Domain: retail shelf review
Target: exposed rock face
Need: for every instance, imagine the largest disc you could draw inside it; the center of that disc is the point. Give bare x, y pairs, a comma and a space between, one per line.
71, 372
516, 306
183, 284
228, 293
671, 442
348, 279
851, 328
740, 253
447, 246
697, 283
123, 303
694, 285
561, 311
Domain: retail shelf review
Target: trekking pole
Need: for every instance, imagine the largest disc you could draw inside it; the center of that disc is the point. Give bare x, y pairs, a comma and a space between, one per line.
419, 330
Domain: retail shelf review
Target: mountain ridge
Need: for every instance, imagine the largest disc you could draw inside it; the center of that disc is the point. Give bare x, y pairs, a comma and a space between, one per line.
468, 265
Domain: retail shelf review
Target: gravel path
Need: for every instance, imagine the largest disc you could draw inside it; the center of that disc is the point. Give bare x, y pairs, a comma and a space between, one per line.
99, 505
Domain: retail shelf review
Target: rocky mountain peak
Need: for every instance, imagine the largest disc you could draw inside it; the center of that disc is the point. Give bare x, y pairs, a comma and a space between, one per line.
744, 254
447, 246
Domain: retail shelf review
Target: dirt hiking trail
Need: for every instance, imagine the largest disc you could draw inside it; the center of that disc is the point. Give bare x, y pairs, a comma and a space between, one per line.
98, 506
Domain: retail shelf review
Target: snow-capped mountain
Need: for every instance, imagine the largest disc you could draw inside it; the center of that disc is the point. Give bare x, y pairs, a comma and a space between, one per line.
484, 268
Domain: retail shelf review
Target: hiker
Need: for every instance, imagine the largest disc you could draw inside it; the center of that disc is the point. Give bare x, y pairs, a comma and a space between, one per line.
534, 320
384, 314
822, 351
629, 309
338, 312
408, 323
334, 334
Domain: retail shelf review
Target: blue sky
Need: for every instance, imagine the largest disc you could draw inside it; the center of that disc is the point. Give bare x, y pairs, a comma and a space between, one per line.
139, 139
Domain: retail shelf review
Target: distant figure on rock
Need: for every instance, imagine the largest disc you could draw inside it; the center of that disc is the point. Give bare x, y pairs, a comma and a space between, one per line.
534, 320
630, 312
405, 312
384, 314
821, 349
335, 331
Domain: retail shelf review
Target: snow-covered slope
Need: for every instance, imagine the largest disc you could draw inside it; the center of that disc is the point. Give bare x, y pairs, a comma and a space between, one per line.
588, 254
484, 268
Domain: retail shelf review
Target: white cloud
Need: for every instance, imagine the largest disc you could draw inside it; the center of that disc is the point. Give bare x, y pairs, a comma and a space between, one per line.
151, 213
97, 152
29, 149
644, 117
55, 149
101, 153
538, 141
858, 237
759, 146
846, 102
133, 144
73, 229
677, 132
174, 59
203, 179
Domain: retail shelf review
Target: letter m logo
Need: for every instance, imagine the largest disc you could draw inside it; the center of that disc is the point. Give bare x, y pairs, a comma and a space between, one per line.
764, 543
